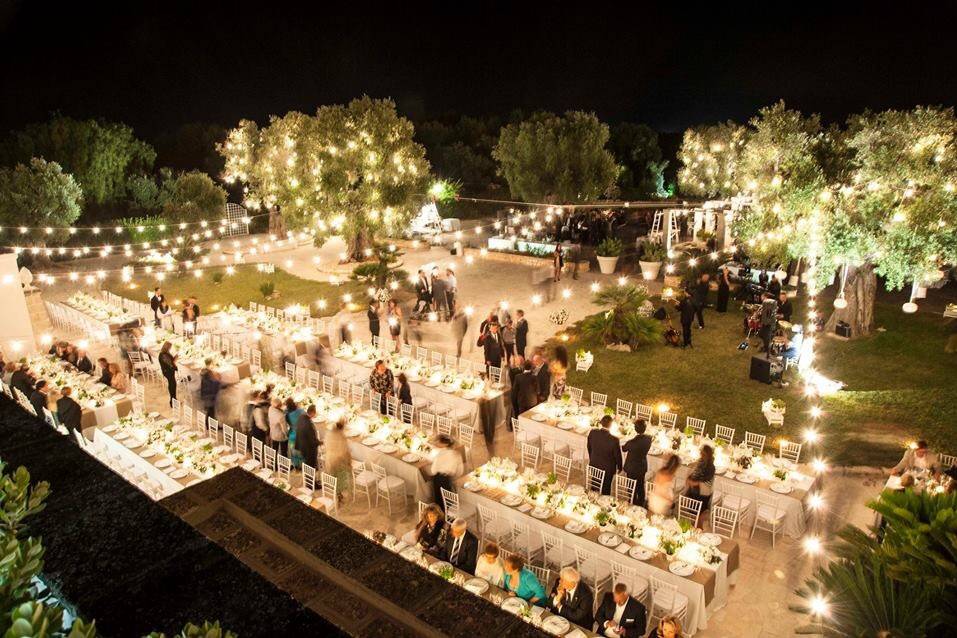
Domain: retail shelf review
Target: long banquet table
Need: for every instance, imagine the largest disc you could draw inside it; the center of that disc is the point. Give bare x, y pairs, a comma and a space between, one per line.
706, 589
108, 404
802, 480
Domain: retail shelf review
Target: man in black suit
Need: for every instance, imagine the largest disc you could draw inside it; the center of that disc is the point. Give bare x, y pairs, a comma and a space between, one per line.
604, 452
39, 397
460, 547
69, 411
423, 292
686, 311
307, 440
521, 333
700, 297
525, 390
22, 380
621, 615
636, 463
544, 377
493, 346
572, 599
155, 302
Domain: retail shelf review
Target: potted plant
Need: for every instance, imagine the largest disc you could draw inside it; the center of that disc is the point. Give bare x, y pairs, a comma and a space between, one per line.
608, 251
652, 254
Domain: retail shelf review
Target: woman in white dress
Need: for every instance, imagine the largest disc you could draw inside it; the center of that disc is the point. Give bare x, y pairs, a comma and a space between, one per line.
662, 495
489, 566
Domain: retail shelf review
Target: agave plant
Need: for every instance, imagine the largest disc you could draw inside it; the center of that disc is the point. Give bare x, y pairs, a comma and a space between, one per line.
621, 323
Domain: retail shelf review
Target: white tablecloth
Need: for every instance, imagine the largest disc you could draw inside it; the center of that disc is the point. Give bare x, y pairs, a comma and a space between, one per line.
132, 457
415, 481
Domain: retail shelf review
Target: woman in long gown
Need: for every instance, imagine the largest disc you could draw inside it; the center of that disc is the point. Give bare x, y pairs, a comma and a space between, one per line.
559, 369
338, 460
662, 495
394, 318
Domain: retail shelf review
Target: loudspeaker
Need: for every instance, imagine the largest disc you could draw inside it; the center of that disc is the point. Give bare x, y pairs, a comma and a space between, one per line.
761, 369
843, 329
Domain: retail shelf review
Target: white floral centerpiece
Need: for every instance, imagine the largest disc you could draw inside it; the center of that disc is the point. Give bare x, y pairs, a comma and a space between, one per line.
584, 360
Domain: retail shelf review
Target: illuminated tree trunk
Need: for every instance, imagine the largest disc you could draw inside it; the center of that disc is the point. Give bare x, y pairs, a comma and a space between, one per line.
277, 225
358, 243
860, 291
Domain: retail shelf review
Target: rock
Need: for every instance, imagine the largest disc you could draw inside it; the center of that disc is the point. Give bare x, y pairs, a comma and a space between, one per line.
619, 347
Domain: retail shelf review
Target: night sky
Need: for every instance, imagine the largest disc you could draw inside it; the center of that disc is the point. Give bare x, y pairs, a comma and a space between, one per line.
161, 64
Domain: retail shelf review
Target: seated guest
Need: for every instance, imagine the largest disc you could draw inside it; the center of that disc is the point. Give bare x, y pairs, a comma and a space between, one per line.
701, 479
785, 310
8, 371
104, 369
69, 355
918, 457
460, 547
669, 627
572, 599
431, 530
69, 411
83, 363
405, 390
22, 380
118, 379
39, 397
620, 615
521, 581
489, 566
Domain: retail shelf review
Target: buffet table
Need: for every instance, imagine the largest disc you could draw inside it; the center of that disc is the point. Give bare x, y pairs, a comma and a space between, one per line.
706, 587
549, 422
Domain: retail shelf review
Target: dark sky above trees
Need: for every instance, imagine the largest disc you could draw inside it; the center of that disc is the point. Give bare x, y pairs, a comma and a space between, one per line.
158, 65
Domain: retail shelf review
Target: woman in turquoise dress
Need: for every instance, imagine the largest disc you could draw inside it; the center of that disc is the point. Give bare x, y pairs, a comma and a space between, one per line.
521, 581
293, 412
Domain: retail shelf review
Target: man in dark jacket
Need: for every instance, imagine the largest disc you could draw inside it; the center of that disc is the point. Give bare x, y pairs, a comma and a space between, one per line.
686, 310
22, 381
604, 452
493, 346
525, 390
572, 599
636, 463
521, 333
155, 302
631, 614
39, 397
460, 547
785, 310
544, 377
69, 411
700, 297
307, 441
104, 368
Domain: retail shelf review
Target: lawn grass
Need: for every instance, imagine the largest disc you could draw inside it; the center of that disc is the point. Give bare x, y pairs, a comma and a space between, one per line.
901, 385
243, 287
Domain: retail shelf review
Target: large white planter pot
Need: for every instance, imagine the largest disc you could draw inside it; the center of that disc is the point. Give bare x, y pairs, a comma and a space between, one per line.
650, 269
607, 265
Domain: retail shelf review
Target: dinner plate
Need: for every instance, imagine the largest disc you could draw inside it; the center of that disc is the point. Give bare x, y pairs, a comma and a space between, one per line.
305, 498
514, 605
438, 566
178, 474
472, 486
680, 568
781, 488
411, 553
576, 527
556, 625
131, 443
641, 553
745, 478
582, 429
161, 463
430, 383
565, 425
477, 586
542, 513
231, 458
121, 436
541, 418
109, 428
524, 508
511, 500
411, 458
655, 451
387, 448
264, 473
711, 540
448, 389
148, 453
152, 415
370, 441
609, 539
250, 465
205, 441
370, 414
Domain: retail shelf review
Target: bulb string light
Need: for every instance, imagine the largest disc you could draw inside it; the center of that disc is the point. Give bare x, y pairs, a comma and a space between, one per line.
115, 229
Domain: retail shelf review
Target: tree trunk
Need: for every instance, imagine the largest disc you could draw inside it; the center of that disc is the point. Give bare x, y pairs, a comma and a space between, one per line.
357, 245
277, 225
860, 291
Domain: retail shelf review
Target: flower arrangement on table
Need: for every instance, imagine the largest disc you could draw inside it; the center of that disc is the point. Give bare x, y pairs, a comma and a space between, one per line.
265, 323
584, 359
99, 309
558, 317
179, 444
651, 531
187, 351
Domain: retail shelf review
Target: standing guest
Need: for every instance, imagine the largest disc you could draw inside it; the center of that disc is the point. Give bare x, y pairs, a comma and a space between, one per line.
104, 368
118, 379
524, 390
489, 566
785, 309
405, 390
724, 290
156, 302
503, 314
307, 440
167, 363
769, 319
260, 417
83, 363
558, 371
686, 310
508, 338
337, 458
487, 322
604, 452
572, 599
446, 467
451, 289
493, 347
68, 411
669, 627
372, 313
701, 479
918, 457
439, 296
22, 381
278, 427
394, 318
521, 333
662, 495
210, 384
431, 530
382, 381
700, 298
460, 326
39, 398
774, 286
544, 377
558, 262
423, 293
636, 461
522, 581
620, 615
8, 371
341, 320
191, 311
461, 547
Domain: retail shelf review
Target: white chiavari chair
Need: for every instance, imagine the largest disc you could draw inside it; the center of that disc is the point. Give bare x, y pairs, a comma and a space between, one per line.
667, 419
530, 454
330, 494
637, 586
553, 552
241, 443
790, 451
689, 509
212, 426
258, 448
695, 425
427, 422
290, 371
724, 433
623, 408
594, 479
308, 488
643, 411
443, 425
543, 574
388, 487
363, 482
597, 398
269, 458
229, 436
724, 521
495, 374
520, 436
375, 401
453, 507
492, 527
327, 384
314, 380
575, 394
666, 600
562, 466
283, 467
947, 461
421, 354
301, 374
186, 417
174, 409
768, 515
594, 571
406, 350
625, 488
256, 359
755, 442
467, 439
436, 358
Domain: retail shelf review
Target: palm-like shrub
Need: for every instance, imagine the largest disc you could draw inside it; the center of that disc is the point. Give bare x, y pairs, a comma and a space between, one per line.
621, 323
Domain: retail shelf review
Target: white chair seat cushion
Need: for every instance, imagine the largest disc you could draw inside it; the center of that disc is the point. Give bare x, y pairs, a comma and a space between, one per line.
391, 483
734, 502
768, 513
680, 604
326, 502
366, 478
599, 570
